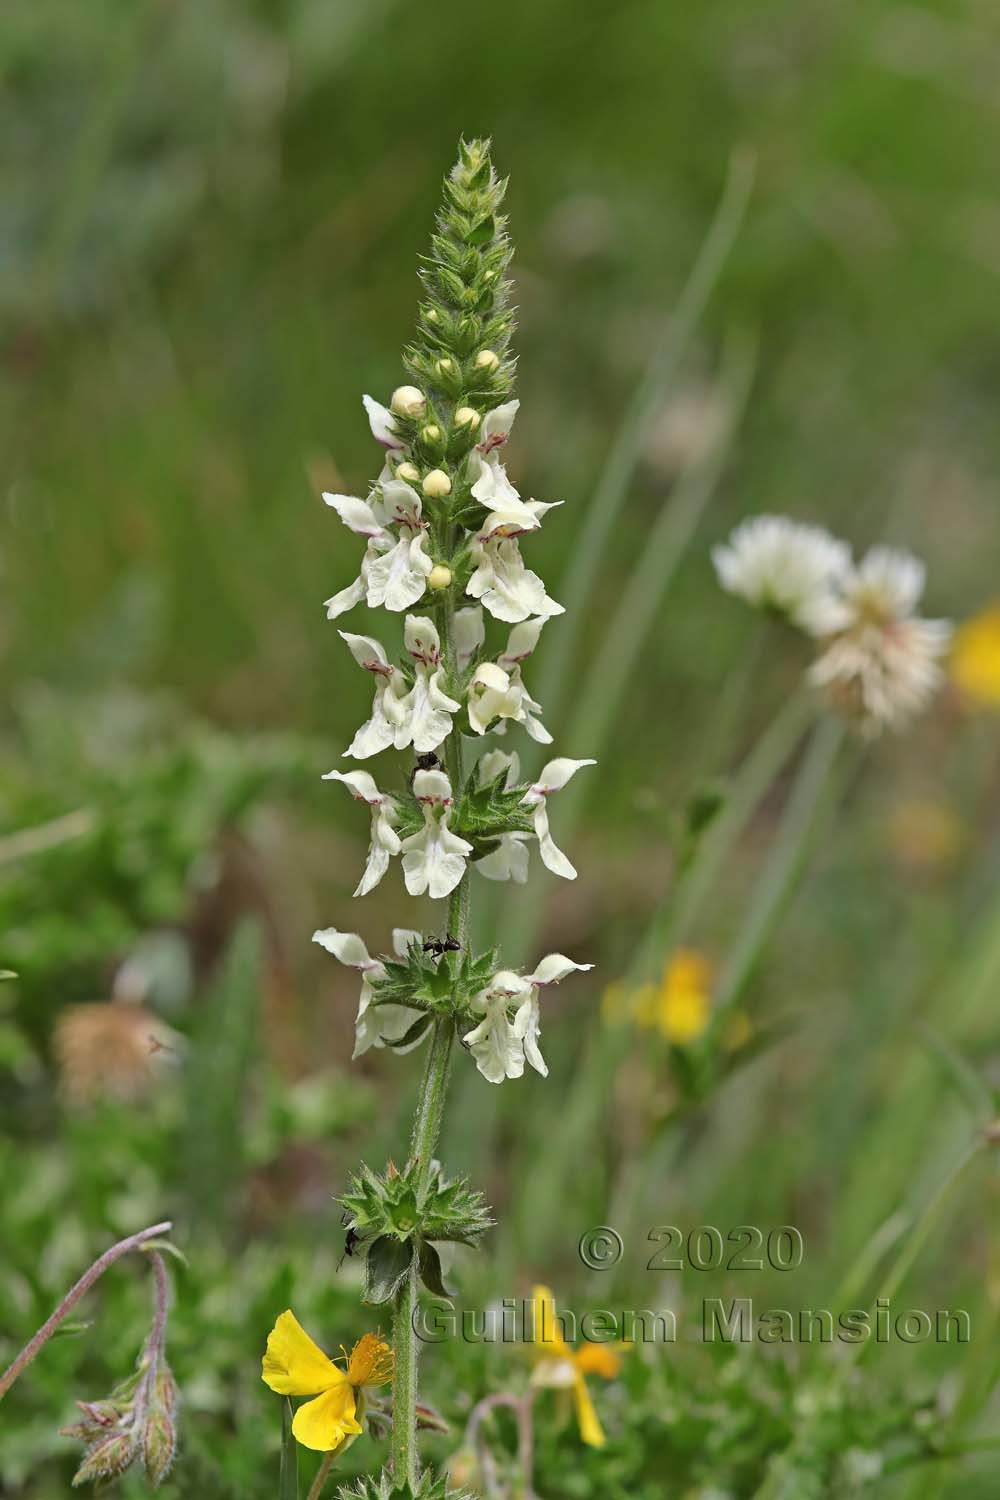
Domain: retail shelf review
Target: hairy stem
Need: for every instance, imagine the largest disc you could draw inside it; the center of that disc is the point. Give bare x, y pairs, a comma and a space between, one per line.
72, 1297
427, 1122
323, 1474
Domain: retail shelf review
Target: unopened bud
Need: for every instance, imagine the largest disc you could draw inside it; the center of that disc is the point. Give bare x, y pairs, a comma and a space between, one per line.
487, 359
445, 368
407, 401
111, 1456
431, 434
439, 577
431, 315
166, 1388
159, 1442
409, 472
436, 484
467, 416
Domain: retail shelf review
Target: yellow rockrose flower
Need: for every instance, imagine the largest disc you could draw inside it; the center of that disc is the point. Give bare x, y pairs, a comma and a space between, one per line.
679, 1005
685, 1000
295, 1366
975, 658
564, 1368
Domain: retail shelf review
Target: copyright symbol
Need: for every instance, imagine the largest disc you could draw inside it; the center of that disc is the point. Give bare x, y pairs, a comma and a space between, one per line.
601, 1248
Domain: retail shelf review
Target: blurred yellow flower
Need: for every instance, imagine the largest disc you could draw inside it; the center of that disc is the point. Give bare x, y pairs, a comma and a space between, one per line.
679, 1006
684, 999
561, 1367
294, 1366
975, 658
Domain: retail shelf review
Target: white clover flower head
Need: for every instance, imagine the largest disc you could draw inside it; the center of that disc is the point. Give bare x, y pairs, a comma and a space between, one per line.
408, 401
375, 1025
881, 662
434, 859
779, 564
503, 1042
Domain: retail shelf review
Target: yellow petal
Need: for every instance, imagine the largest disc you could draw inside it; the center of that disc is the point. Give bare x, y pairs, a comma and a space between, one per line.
546, 1330
329, 1422
590, 1428
598, 1359
293, 1365
370, 1362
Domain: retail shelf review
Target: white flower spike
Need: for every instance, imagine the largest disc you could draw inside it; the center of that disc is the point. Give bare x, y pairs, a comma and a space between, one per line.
434, 859
554, 777
385, 840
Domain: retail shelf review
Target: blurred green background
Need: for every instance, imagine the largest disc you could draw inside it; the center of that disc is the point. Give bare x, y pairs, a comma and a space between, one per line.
210, 220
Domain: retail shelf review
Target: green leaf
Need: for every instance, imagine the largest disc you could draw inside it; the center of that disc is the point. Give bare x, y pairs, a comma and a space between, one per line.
386, 1264
429, 1265
288, 1480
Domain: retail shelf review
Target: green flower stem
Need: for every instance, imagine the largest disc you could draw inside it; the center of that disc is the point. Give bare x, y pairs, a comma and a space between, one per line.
322, 1475
810, 796
427, 1124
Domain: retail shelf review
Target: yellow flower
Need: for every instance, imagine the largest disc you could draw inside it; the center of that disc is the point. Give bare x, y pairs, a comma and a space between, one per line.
683, 1000
975, 658
679, 1006
558, 1365
294, 1366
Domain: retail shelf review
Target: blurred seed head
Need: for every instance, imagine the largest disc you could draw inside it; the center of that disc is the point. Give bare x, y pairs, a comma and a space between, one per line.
112, 1050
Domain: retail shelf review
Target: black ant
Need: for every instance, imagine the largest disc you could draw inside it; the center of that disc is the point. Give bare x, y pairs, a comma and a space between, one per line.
439, 946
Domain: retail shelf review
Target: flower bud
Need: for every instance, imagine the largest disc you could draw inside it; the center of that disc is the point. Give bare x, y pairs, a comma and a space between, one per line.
159, 1442
439, 577
436, 485
407, 401
111, 1456
431, 434
487, 359
467, 416
445, 367
409, 472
